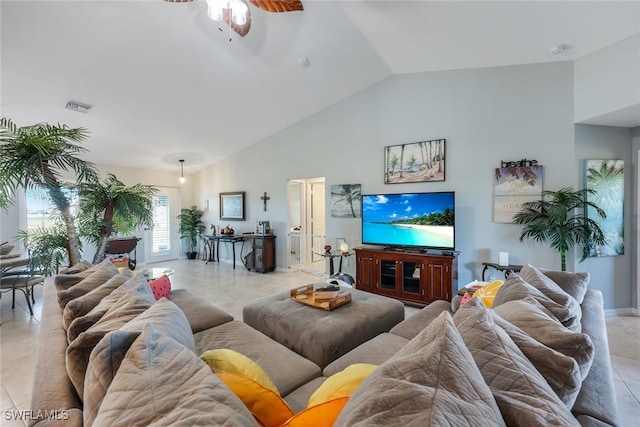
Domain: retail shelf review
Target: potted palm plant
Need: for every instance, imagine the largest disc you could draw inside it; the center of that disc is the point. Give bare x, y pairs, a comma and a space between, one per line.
559, 219
109, 206
191, 228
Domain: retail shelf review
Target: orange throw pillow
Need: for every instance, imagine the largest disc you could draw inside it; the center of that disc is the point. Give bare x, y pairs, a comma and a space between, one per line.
323, 415
266, 406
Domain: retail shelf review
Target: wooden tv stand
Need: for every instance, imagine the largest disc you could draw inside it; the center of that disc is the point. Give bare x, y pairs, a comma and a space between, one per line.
415, 278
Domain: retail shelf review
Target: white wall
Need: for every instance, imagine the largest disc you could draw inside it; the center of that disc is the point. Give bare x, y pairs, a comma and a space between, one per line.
486, 115
608, 79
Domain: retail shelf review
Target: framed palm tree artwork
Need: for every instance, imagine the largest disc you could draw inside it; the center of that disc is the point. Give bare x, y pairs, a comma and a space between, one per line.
606, 180
415, 162
346, 201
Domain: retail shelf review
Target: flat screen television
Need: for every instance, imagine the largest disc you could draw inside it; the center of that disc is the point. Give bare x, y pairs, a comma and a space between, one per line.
409, 220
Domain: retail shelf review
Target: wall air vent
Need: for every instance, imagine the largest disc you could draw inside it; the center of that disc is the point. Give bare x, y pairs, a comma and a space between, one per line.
78, 106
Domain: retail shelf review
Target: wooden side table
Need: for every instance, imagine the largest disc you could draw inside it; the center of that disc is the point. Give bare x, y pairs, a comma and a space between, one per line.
508, 269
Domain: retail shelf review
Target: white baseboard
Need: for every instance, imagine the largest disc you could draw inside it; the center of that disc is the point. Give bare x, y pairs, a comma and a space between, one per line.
630, 311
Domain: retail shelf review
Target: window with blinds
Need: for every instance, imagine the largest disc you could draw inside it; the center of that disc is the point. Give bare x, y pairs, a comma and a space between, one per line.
161, 224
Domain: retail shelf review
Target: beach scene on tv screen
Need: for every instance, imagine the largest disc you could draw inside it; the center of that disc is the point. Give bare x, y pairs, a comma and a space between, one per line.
420, 219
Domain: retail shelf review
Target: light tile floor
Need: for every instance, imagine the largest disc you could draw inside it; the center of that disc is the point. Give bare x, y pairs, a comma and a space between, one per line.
230, 290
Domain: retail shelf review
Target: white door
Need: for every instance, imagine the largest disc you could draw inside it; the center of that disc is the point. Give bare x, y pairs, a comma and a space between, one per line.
306, 198
162, 240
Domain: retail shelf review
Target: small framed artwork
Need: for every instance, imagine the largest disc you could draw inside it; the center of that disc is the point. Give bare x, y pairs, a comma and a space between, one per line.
415, 162
346, 201
232, 205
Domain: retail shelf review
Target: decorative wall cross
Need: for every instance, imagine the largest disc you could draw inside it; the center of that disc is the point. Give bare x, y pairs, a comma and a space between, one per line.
264, 198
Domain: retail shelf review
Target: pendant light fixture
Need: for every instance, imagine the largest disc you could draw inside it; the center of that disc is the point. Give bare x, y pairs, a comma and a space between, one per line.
182, 178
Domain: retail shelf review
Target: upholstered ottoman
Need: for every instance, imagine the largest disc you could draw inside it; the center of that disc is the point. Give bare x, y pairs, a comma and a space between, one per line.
318, 335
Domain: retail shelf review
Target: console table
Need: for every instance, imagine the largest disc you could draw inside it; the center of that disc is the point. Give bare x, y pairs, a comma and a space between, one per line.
229, 239
508, 269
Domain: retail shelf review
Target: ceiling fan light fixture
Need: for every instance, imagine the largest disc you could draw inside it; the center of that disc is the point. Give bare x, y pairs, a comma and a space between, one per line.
239, 11
215, 9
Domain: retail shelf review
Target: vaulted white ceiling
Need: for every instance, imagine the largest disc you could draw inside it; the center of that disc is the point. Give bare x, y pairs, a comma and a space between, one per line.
168, 83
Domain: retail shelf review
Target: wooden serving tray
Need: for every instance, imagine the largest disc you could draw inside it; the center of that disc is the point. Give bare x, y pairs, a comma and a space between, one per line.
305, 295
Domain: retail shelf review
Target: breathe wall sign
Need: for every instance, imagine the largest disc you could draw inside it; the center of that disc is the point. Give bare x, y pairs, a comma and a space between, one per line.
515, 183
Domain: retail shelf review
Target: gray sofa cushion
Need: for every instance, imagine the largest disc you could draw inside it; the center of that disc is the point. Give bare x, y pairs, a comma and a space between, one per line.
103, 272
79, 350
105, 359
597, 398
52, 388
551, 289
414, 324
375, 351
136, 285
85, 303
523, 395
200, 314
560, 371
286, 369
515, 288
420, 386
541, 325
69, 277
575, 284
161, 382
298, 399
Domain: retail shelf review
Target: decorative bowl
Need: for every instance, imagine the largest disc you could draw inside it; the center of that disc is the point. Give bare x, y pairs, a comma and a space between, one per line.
326, 292
5, 249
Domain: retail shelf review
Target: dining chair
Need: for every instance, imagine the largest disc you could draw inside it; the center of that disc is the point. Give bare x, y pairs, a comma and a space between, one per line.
23, 280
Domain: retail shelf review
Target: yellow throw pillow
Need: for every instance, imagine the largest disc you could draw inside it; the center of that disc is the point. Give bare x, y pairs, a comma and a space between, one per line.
226, 360
488, 292
322, 415
341, 384
266, 406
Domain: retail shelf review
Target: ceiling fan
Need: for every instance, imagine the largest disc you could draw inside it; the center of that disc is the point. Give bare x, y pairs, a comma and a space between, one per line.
236, 13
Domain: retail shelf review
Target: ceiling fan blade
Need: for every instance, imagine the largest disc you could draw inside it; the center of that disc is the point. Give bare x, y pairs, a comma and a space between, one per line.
278, 5
242, 30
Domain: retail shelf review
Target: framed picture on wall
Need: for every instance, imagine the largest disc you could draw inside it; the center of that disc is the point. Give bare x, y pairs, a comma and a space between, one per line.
606, 179
513, 187
416, 162
232, 205
346, 201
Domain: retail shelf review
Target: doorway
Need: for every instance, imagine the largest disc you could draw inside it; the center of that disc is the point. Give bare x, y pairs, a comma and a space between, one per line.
162, 239
306, 224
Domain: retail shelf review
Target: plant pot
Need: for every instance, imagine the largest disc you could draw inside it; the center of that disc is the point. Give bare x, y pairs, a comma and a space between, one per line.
192, 255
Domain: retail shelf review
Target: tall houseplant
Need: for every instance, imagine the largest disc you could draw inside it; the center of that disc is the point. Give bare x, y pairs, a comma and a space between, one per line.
111, 206
191, 228
559, 219
35, 157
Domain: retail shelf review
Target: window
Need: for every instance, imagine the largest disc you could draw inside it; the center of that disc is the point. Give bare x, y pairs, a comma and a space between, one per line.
161, 224
41, 211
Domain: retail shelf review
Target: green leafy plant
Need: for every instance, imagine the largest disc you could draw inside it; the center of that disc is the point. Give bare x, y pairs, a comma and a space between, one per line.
559, 219
47, 246
112, 206
35, 157
191, 227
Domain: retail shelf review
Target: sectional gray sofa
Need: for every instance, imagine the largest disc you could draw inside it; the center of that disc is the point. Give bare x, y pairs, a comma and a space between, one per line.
444, 335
